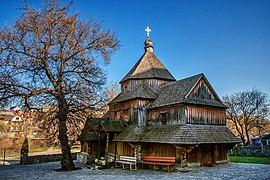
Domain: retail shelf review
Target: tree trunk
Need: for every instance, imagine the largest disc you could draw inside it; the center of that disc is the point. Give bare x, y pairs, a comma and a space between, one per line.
66, 161
247, 135
243, 140
247, 130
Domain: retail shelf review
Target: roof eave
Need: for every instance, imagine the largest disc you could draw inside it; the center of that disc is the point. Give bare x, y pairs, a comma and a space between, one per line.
185, 103
154, 77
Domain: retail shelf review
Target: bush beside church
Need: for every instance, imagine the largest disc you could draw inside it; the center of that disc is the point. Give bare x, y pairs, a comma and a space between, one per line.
258, 151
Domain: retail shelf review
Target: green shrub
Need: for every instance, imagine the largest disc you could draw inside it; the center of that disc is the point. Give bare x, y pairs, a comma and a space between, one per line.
25, 148
257, 151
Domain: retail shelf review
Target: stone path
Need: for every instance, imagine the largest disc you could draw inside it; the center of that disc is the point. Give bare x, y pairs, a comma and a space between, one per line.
47, 171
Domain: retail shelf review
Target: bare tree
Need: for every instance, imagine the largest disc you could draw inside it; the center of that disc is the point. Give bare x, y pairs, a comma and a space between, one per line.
245, 110
111, 91
47, 123
51, 58
46, 120
261, 128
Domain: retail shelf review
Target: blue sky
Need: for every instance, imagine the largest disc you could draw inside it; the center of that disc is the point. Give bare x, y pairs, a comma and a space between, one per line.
228, 41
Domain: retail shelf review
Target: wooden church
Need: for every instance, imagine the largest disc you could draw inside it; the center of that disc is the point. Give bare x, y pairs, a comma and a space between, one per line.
166, 117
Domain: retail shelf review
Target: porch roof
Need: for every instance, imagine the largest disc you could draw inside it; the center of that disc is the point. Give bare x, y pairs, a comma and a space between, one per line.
178, 134
93, 127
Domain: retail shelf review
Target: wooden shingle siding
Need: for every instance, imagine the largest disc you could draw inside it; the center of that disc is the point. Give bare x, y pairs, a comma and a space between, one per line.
192, 90
143, 91
148, 66
178, 134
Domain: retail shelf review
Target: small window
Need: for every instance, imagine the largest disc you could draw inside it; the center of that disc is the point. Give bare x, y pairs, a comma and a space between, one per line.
163, 118
126, 89
125, 112
117, 115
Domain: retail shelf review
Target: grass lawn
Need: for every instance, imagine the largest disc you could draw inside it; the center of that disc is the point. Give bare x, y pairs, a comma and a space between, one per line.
249, 159
41, 149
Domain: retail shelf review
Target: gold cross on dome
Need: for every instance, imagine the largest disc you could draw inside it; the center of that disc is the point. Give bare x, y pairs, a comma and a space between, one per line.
148, 30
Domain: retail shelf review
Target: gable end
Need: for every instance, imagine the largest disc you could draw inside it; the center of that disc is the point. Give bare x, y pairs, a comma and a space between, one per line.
201, 91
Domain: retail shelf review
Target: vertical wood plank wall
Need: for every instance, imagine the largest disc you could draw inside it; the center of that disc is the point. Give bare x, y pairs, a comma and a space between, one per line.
207, 154
124, 149
131, 85
187, 114
202, 115
127, 110
174, 115
155, 149
202, 91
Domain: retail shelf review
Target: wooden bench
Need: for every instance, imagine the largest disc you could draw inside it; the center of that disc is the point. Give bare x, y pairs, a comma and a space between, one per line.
158, 160
127, 160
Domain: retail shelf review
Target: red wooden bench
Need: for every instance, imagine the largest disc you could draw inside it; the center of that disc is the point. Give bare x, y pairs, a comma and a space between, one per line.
158, 160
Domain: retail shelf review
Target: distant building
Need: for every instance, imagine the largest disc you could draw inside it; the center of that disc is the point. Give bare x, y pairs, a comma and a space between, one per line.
13, 122
15, 125
264, 140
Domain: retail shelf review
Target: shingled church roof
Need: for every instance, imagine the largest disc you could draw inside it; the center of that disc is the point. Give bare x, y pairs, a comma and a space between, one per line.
174, 92
94, 126
178, 134
148, 66
181, 90
142, 91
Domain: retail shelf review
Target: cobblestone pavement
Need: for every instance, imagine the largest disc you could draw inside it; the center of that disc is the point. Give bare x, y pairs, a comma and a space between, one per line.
48, 171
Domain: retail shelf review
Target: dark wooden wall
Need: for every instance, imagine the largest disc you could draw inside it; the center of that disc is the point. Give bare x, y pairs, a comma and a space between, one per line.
124, 149
111, 147
205, 115
221, 152
84, 146
174, 115
155, 149
201, 91
131, 111
194, 155
180, 114
131, 85
207, 154
93, 148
